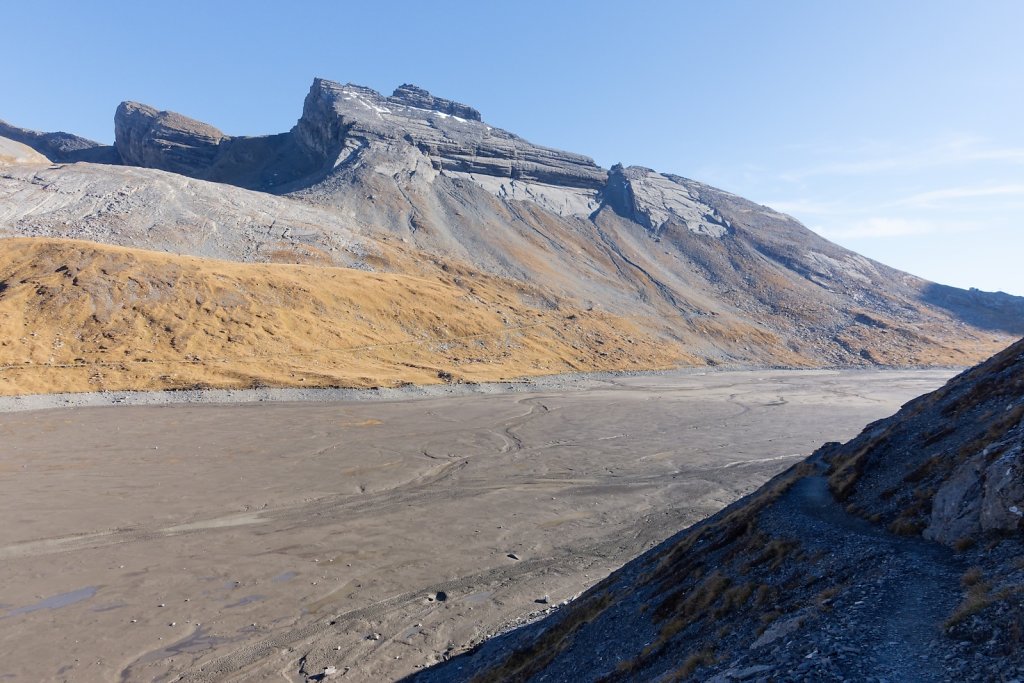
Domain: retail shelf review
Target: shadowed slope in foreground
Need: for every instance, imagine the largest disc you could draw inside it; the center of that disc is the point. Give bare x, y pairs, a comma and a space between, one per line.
827, 572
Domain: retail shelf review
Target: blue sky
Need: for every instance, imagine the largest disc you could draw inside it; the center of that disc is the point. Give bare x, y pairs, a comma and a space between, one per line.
893, 128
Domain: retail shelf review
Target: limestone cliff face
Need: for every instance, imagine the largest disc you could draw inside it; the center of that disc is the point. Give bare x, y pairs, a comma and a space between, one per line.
147, 137
349, 118
656, 200
984, 495
451, 134
414, 96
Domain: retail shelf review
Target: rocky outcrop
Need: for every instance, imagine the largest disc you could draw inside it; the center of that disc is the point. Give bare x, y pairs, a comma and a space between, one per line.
172, 142
985, 495
61, 147
655, 201
340, 121
150, 138
413, 96
352, 117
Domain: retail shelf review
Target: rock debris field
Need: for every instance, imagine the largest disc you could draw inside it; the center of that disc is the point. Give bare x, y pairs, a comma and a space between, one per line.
369, 539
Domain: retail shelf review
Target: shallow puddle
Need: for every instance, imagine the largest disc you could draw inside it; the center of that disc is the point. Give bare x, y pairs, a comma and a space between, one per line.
246, 600
56, 601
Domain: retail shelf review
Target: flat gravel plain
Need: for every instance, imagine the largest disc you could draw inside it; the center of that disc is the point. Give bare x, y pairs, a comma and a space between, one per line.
269, 539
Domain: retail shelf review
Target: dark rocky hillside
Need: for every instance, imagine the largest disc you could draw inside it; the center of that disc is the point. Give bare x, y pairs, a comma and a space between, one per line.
897, 556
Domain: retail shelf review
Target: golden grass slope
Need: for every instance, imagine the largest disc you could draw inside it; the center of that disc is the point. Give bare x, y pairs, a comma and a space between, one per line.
80, 316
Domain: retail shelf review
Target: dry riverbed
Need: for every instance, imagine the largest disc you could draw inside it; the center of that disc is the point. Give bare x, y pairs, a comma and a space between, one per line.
270, 540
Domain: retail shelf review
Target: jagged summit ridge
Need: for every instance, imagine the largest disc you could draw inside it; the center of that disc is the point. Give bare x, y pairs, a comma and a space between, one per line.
415, 96
348, 124
452, 135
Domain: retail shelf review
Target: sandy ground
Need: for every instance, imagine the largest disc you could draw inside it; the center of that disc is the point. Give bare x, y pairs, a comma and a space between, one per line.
267, 541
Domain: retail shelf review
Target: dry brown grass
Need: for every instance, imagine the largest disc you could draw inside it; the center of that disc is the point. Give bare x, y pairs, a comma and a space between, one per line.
964, 543
522, 664
903, 526
825, 597
79, 316
976, 599
692, 663
846, 470
694, 605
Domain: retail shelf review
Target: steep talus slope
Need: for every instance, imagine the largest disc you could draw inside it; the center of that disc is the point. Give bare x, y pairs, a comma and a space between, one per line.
81, 316
393, 182
138, 207
895, 556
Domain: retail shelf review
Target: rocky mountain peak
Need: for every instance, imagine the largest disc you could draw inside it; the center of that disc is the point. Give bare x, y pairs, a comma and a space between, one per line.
145, 136
415, 96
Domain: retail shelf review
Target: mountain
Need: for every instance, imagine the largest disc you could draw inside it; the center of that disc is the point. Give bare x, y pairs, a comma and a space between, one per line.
417, 184
895, 556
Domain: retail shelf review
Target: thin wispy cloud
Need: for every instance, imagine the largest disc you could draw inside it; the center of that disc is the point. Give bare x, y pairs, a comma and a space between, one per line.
877, 158
951, 194
985, 199
880, 227
808, 207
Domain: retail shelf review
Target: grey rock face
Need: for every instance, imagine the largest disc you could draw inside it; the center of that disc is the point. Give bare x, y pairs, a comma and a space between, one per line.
656, 200
957, 506
169, 141
165, 140
340, 123
351, 117
414, 96
980, 497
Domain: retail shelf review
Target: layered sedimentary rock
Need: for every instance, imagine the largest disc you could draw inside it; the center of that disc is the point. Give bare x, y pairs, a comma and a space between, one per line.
348, 118
655, 200
418, 97
457, 142
162, 139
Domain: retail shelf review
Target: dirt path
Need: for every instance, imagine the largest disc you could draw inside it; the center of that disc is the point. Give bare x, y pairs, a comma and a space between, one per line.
912, 586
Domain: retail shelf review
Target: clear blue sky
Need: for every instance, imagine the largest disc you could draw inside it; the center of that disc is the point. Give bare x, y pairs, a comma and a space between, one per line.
893, 128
